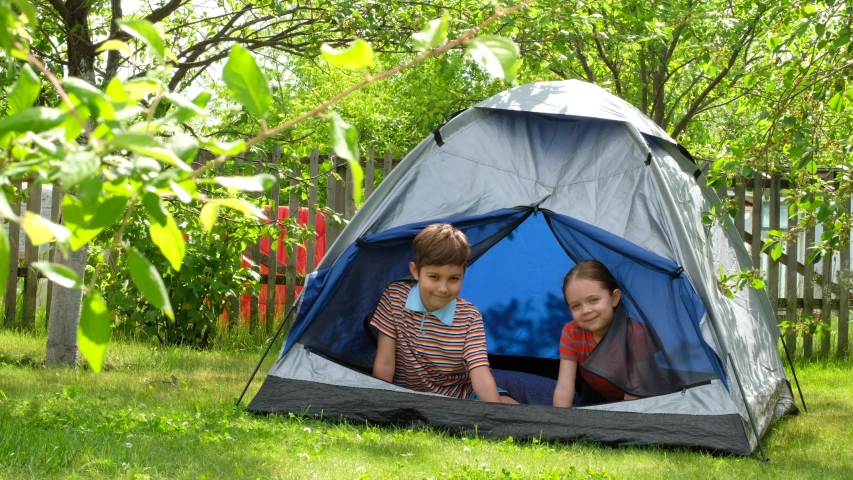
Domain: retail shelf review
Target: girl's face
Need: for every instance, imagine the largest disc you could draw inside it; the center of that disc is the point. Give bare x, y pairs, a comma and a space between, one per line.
592, 305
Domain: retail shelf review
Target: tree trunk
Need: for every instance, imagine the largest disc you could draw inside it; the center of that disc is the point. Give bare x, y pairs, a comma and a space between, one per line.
65, 313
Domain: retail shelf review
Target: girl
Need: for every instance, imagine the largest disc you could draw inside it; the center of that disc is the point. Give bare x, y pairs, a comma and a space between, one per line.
611, 366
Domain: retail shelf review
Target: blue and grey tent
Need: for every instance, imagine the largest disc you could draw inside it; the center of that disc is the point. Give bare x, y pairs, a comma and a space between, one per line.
540, 177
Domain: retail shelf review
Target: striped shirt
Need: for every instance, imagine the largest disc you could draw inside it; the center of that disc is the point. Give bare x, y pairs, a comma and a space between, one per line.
577, 344
431, 356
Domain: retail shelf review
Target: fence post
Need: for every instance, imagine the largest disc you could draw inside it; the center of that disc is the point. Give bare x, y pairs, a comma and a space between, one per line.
757, 202
31, 254
791, 286
808, 293
844, 294
826, 303
349, 187
773, 267
368, 174
11, 298
313, 170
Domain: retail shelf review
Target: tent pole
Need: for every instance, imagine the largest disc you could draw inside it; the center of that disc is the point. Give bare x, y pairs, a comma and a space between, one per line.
264, 356
794, 371
748, 409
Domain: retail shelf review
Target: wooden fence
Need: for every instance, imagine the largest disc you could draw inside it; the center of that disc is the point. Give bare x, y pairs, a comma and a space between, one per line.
820, 291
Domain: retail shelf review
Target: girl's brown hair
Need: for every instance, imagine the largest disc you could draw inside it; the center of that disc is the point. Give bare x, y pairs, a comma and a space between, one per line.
441, 244
591, 270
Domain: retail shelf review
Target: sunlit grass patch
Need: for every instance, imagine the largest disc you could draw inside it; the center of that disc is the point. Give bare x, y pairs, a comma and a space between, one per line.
165, 412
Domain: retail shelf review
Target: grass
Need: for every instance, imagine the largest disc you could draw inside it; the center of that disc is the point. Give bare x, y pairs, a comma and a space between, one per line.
168, 413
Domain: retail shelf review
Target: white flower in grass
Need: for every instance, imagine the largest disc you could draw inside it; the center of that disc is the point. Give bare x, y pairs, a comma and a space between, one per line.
466, 449
307, 429
304, 455
128, 445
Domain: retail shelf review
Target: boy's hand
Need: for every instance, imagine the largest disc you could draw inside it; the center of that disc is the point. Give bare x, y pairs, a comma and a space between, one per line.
386, 354
484, 384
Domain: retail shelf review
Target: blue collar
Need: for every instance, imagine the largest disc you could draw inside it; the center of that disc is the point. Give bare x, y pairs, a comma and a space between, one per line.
416, 304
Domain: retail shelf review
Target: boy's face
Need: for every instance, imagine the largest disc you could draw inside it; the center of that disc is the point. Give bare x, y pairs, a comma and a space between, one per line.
439, 284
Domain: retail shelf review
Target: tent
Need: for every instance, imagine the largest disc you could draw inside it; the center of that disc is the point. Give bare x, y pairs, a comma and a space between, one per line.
539, 177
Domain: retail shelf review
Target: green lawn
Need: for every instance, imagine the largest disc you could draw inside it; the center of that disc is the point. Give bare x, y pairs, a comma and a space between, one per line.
133, 421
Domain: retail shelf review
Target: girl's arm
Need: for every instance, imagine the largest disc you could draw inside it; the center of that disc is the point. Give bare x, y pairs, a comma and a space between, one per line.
484, 384
386, 356
564, 394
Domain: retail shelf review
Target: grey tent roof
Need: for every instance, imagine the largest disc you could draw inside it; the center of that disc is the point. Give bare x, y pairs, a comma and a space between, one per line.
573, 98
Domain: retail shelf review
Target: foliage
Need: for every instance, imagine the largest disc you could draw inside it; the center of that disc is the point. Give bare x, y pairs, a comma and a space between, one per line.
133, 158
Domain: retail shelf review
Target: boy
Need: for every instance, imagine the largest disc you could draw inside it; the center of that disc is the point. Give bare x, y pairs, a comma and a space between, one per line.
431, 341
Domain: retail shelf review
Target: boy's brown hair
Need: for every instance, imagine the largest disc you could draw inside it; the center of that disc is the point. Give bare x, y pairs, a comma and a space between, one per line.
441, 244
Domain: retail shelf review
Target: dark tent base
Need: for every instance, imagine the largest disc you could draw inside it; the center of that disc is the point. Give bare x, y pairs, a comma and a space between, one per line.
718, 433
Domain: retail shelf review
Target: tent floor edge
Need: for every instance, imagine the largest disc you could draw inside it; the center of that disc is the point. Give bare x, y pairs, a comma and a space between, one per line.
720, 434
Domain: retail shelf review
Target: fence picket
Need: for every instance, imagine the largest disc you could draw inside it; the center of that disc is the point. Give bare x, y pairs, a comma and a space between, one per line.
808, 293
313, 170
331, 191
368, 173
349, 195
740, 203
826, 303
791, 287
290, 273
272, 255
31, 254
773, 267
387, 164
755, 230
844, 295
254, 311
55, 217
11, 298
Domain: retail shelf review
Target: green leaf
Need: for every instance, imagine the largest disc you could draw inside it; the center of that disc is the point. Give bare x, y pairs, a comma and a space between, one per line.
95, 99
5, 253
184, 146
114, 44
33, 119
358, 181
28, 10
148, 281
58, 274
164, 230
25, 91
77, 167
201, 99
225, 148
433, 35
256, 183
93, 333
836, 103
777, 251
209, 212
246, 82
147, 33
183, 109
344, 138
497, 55
109, 212
41, 231
357, 56
757, 284
241, 206
148, 146
115, 90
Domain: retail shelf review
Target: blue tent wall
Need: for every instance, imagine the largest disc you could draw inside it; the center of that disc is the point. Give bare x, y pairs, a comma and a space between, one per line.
517, 287
515, 280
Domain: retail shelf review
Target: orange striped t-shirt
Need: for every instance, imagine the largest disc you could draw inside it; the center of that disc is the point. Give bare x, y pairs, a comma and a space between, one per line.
432, 356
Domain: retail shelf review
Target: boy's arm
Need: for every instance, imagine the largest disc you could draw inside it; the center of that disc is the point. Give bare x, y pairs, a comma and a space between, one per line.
484, 384
386, 355
564, 394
